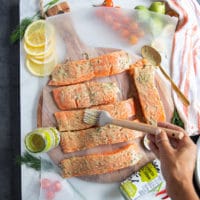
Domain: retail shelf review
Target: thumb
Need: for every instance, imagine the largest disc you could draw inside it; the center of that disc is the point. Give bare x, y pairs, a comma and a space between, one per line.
162, 142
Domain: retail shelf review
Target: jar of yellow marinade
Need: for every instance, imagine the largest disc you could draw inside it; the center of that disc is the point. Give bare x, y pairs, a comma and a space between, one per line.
42, 139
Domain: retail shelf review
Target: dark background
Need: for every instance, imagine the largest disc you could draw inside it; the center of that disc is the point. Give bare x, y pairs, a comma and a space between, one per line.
10, 183
9, 103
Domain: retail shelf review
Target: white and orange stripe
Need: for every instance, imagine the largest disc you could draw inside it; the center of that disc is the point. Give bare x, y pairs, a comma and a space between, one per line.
185, 60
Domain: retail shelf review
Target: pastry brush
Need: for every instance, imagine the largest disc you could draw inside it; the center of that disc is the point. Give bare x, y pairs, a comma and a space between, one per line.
101, 118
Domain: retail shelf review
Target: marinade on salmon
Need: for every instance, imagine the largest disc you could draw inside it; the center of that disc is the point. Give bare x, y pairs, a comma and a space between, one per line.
100, 163
85, 95
149, 97
73, 72
72, 141
73, 119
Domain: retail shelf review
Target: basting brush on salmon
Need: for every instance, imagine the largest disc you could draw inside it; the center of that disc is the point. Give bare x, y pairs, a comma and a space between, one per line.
102, 118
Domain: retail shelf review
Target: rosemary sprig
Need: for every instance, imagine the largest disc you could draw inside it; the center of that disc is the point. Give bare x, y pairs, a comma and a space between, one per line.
176, 119
33, 162
19, 31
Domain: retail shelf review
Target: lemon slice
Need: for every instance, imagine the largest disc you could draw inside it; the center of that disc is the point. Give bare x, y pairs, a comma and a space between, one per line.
38, 33
41, 69
42, 51
44, 60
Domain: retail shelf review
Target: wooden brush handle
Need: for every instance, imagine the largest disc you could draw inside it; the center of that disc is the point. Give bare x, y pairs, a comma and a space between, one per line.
147, 128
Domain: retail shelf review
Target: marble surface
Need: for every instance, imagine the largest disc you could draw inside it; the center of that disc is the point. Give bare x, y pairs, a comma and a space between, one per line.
30, 92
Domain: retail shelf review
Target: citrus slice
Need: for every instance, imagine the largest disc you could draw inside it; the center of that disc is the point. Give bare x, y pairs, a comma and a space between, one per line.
44, 60
41, 69
38, 33
40, 51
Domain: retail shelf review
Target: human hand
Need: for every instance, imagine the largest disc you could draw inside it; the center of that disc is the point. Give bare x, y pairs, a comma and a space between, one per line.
177, 158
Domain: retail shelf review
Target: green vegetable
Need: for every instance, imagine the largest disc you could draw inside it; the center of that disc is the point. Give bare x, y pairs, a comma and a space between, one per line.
158, 7
141, 7
143, 13
33, 162
176, 119
19, 31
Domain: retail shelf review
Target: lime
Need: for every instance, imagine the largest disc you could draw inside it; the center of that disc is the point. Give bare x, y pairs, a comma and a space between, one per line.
158, 7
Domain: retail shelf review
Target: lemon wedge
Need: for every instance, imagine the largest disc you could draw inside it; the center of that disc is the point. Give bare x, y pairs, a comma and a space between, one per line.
39, 33
41, 68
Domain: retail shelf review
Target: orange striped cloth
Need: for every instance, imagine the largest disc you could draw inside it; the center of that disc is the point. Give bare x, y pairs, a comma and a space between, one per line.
186, 61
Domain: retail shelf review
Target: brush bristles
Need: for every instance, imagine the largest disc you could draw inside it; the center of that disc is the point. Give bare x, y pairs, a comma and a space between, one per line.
91, 116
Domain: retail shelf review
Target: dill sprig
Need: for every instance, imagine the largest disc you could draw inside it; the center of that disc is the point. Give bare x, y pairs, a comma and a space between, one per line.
176, 119
18, 32
33, 162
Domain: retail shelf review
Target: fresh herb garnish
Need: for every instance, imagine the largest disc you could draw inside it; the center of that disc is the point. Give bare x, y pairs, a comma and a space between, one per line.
34, 162
19, 31
176, 119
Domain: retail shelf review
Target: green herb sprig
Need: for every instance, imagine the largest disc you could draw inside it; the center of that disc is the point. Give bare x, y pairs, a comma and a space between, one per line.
19, 31
34, 162
176, 119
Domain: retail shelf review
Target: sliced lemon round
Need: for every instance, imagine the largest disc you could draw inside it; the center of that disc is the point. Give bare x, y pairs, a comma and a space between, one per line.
39, 33
44, 60
40, 51
43, 69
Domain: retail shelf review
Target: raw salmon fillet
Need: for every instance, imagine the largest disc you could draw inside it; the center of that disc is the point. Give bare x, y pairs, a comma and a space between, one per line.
85, 139
149, 97
73, 72
100, 163
73, 120
85, 95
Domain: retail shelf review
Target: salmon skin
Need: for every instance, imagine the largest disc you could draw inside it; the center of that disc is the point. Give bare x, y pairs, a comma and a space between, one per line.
73, 119
72, 141
73, 72
85, 95
100, 163
149, 97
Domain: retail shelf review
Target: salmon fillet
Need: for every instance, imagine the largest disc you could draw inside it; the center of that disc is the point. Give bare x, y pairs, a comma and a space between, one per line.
100, 163
73, 119
79, 71
149, 97
85, 139
85, 95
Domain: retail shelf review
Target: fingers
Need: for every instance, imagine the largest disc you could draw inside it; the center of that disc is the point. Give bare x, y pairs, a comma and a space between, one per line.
170, 126
152, 145
160, 143
154, 149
